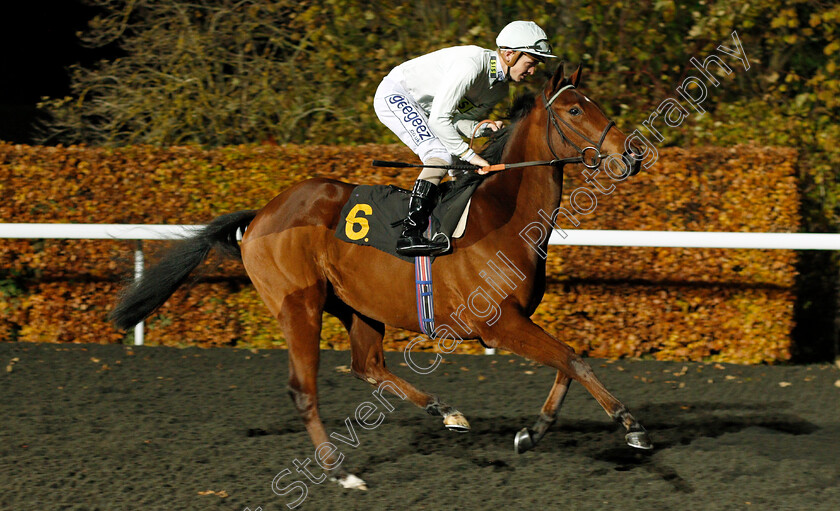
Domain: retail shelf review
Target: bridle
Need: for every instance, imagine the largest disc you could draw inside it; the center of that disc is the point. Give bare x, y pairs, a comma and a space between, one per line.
553, 117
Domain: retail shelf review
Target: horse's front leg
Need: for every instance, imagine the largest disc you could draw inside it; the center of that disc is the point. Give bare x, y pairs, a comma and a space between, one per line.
526, 439
517, 333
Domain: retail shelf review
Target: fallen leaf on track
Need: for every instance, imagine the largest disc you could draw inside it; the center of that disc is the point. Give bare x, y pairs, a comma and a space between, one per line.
221, 494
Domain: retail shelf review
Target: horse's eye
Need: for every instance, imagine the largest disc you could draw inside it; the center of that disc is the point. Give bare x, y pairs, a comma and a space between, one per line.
575, 111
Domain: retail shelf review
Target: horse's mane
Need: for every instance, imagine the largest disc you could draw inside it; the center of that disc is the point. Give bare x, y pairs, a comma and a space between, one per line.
492, 151
523, 104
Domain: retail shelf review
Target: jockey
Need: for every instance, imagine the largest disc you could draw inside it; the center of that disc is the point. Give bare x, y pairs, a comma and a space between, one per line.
431, 101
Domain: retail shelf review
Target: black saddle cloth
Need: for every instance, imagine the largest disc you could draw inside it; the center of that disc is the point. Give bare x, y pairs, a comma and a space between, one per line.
374, 213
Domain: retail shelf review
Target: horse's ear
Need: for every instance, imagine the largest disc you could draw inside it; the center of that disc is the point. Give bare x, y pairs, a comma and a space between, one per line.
575, 78
557, 79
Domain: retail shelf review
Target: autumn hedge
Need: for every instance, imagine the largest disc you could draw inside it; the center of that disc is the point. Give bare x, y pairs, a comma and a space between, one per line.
676, 304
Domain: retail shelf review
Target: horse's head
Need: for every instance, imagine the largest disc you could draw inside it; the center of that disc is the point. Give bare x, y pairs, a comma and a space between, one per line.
578, 123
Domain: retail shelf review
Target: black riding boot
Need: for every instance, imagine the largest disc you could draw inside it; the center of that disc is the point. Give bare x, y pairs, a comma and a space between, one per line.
412, 242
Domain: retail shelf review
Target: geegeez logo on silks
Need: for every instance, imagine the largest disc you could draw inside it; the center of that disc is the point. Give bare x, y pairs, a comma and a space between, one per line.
412, 121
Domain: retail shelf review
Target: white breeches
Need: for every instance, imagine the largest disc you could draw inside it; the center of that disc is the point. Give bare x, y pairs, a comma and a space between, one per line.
400, 113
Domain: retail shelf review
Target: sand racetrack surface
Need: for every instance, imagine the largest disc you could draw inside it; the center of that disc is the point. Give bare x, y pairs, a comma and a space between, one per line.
112, 427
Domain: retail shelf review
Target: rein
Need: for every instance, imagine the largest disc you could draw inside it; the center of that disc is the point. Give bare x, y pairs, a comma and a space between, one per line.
489, 168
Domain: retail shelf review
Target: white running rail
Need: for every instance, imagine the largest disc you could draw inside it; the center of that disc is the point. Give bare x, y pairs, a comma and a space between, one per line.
138, 232
694, 239
577, 237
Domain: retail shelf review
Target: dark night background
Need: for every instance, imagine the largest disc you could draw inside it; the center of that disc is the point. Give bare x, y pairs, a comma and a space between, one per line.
38, 43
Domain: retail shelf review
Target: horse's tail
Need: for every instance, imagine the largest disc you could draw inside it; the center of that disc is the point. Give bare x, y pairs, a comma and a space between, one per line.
144, 296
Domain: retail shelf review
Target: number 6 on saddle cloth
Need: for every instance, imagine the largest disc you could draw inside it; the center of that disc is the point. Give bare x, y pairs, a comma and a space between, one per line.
373, 216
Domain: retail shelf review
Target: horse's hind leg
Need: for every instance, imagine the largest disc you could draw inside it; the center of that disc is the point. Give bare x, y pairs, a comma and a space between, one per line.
368, 363
300, 319
526, 438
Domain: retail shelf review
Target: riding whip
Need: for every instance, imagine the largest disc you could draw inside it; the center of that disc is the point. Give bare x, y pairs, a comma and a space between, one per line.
489, 168
404, 165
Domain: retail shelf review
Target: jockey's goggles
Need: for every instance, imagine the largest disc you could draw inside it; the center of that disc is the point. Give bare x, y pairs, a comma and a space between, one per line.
540, 46
540, 49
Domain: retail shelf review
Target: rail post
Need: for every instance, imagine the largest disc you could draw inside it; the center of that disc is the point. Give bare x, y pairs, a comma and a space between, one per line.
138, 274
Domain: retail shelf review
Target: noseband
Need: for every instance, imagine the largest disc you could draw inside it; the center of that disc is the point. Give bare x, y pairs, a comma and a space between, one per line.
593, 146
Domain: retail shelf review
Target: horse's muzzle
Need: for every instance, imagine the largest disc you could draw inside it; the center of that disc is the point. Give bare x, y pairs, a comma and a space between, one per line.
634, 156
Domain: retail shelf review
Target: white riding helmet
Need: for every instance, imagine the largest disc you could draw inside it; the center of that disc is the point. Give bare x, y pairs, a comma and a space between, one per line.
526, 37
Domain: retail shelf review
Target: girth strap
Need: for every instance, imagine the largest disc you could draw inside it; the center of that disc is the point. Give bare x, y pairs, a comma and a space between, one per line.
423, 287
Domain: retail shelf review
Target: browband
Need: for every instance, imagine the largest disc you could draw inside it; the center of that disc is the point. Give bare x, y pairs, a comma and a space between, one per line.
550, 101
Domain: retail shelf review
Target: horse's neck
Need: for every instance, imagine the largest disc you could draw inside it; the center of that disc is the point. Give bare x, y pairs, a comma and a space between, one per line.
531, 189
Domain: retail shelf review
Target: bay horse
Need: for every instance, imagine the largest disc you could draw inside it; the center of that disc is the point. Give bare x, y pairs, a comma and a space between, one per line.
301, 270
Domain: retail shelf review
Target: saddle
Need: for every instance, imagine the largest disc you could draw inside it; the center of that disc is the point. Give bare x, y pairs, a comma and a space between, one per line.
374, 213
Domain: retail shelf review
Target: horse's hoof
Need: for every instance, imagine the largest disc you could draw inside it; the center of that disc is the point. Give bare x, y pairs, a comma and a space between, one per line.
351, 482
639, 440
456, 422
523, 441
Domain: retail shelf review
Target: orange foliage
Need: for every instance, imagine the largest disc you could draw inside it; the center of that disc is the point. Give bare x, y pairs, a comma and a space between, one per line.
678, 304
